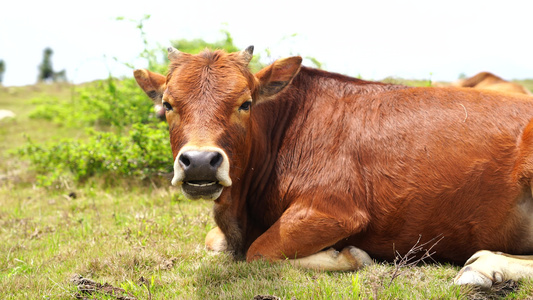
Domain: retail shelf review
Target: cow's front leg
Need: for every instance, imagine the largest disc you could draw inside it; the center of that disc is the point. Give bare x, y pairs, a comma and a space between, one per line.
300, 237
485, 268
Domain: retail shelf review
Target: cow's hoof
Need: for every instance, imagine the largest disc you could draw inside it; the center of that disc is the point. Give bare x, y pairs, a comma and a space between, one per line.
357, 257
216, 240
470, 276
483, 269
349, 259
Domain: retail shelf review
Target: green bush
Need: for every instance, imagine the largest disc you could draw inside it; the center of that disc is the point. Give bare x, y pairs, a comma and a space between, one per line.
125, 140
103, 103
141, 153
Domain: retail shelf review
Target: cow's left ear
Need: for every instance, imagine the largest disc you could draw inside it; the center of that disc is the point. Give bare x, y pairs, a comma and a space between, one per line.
274, 78
153, 84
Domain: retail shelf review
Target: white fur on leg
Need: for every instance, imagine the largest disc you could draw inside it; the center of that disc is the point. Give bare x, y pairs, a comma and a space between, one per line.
485, 268
216, 240
349, 259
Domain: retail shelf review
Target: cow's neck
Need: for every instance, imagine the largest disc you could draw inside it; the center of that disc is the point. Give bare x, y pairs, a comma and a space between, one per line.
230, 212
274, 118
269, 123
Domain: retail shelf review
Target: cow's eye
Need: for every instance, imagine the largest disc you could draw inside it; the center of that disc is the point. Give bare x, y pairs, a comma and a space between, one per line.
167, 106
246, 105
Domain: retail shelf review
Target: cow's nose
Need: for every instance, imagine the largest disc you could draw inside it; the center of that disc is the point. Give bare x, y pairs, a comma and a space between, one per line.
200, 165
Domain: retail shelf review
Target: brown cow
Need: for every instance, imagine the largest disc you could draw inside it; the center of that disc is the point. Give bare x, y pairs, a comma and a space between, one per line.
489, 81
301, 163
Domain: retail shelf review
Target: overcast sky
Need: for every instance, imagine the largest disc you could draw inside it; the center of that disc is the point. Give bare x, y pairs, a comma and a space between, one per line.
374, 39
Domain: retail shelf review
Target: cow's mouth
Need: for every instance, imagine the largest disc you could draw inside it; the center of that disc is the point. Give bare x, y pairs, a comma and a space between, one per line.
200, 183
202, 189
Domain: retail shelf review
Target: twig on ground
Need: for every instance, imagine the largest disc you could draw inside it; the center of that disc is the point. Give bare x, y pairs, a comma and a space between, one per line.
409, 259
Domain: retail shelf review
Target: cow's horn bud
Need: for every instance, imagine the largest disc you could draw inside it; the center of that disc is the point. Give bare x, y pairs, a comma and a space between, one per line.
247, 54
173, 53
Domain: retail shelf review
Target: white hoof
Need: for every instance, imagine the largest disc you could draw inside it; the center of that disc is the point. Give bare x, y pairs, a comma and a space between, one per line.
361, 256
469, 276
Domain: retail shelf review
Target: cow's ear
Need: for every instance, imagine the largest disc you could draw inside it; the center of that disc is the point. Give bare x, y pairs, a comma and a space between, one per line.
153, 84
274, 78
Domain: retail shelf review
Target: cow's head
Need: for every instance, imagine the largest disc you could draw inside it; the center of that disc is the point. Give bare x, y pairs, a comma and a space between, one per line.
209, 99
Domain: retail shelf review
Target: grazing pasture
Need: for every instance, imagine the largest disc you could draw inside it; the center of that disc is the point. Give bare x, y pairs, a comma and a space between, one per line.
145, 241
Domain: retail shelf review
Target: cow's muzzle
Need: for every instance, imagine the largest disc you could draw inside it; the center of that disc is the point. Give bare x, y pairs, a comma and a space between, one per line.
201, 173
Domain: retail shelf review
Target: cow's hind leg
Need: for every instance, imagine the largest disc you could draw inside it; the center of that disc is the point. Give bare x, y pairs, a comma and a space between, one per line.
485, 268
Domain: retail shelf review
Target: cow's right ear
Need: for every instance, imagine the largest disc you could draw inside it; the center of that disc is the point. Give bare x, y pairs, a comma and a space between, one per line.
153, 84
274, 78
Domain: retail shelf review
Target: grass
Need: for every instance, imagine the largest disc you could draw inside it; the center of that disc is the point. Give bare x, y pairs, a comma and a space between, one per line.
408, 82
146, 241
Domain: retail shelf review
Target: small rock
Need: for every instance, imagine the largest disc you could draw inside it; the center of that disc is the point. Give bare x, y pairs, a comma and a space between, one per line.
4, 114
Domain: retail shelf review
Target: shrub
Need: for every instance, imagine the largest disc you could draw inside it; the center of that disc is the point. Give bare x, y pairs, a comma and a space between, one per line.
142, 152
103, 103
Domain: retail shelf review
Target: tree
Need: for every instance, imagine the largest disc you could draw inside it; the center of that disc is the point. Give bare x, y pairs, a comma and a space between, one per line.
2, 70
46, 72
45, 68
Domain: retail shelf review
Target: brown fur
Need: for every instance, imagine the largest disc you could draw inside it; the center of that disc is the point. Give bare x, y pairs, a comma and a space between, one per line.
326, 160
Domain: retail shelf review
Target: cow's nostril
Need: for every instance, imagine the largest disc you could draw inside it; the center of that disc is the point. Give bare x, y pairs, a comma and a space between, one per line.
201, 162
184, 160
216, 161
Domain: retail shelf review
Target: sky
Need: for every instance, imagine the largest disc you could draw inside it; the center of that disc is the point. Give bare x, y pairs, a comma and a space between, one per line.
412, 39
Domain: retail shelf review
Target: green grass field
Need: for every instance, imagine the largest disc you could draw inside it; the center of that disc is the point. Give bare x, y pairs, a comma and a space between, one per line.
136, 240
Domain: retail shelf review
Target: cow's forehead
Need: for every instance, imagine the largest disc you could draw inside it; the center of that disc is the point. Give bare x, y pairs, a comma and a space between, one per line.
211, 76
208, 85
